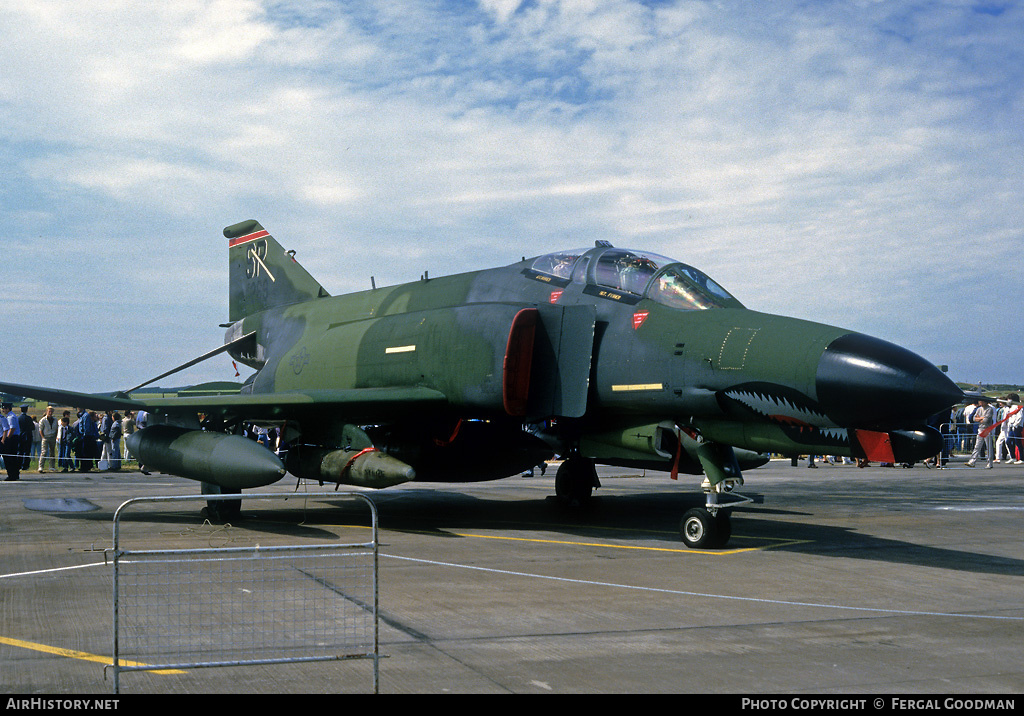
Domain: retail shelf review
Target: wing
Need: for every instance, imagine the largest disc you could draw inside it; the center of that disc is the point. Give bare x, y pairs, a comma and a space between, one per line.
359, 405
101, 401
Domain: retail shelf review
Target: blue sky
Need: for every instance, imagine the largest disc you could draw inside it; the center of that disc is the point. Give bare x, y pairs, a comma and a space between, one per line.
855, 163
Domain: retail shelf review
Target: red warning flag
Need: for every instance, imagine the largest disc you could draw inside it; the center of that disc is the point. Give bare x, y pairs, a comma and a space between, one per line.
988, 431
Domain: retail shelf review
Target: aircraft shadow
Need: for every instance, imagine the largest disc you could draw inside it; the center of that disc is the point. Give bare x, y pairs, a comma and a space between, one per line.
285, 522
644, 517
654, 517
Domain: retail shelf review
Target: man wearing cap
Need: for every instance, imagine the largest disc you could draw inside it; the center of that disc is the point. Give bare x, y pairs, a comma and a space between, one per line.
10, 442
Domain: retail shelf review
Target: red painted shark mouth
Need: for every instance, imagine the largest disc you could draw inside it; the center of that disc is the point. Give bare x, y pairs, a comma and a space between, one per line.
789, 420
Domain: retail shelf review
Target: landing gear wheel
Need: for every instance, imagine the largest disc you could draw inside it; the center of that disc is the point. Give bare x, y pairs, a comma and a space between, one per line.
700, 530
575, 481
221, 511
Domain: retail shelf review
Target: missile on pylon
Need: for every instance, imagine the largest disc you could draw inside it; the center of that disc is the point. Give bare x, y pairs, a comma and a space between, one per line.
230, 461
366, 467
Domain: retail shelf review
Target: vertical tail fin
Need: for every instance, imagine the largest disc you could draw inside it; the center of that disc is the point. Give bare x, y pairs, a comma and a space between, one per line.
262, 274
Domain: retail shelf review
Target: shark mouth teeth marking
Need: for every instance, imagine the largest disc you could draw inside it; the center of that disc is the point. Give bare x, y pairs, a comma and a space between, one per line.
834, 436
799, 417
794, 410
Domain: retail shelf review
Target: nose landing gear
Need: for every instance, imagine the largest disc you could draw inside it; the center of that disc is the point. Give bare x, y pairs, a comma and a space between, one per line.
699, 529
709, 527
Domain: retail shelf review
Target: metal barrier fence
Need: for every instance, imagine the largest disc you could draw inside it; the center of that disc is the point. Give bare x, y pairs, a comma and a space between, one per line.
211, 606
959, 440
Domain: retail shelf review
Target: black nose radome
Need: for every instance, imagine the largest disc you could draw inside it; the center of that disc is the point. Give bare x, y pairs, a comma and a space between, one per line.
867, 382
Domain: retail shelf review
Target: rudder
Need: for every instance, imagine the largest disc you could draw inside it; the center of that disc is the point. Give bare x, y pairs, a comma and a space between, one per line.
262, 274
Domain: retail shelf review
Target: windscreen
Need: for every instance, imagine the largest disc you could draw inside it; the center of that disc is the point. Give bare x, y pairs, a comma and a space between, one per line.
637, 273
688, 289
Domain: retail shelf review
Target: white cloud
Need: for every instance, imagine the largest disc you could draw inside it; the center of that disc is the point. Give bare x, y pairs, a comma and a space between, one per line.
501, 9
792, 150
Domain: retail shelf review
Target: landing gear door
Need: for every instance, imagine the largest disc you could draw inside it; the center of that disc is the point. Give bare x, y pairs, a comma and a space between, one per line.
563, 351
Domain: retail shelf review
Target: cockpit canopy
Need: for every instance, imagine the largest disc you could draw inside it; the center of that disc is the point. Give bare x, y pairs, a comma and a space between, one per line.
639, 274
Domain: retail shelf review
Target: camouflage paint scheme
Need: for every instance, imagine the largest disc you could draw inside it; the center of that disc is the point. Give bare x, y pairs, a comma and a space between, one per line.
597, 355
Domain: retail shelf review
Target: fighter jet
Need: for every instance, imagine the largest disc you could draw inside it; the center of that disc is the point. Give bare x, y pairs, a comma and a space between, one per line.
598, 355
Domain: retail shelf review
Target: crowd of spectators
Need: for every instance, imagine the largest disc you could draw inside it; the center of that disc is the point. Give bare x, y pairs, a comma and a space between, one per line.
989, 428
82, 442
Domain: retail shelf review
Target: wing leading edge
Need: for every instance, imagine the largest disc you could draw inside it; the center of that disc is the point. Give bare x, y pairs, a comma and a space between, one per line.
355, 405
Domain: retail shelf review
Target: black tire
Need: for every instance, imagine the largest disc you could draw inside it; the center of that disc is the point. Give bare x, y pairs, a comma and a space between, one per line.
221, 511
699, 530
574, 482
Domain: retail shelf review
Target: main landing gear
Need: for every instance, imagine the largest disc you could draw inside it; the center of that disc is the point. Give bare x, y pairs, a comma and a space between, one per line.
219, 511
575, 481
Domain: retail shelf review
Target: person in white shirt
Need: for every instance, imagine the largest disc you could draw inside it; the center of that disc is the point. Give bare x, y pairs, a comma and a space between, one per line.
982, 418
48, 427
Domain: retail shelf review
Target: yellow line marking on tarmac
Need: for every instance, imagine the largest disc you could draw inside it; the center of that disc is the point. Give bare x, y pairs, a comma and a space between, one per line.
72, 654
775, 543
680, 550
